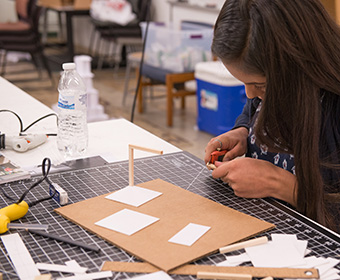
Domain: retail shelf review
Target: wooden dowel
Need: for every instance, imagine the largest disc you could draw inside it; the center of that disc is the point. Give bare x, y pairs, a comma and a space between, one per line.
242, 245
217, 275
131, 170
211, 166
42, 277
190, 269
145, 149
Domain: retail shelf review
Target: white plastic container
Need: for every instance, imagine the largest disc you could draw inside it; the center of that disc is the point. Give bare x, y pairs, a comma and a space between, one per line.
174, 49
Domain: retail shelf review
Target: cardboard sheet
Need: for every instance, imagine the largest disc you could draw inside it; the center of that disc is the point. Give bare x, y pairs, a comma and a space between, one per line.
175, 208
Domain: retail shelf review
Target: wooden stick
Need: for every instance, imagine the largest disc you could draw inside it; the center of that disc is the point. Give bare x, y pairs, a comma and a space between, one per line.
190, 269
131, 172
145, 149
0, 276
229, 276
134, 147
242, 245
43, 277
211, 166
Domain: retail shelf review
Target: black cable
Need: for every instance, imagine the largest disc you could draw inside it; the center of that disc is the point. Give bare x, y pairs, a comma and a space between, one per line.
45, 177
2, 141
45, 174
43, 199
6, 195
38, 120
20, 121
142, 60
22, 129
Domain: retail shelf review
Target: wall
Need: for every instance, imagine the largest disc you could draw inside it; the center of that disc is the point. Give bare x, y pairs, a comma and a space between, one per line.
160, 11
7, 11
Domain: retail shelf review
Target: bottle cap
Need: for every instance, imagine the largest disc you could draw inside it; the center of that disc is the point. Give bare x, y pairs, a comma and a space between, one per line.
69, 66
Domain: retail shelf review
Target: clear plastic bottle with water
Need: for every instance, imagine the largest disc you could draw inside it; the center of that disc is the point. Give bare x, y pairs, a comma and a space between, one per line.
72, 137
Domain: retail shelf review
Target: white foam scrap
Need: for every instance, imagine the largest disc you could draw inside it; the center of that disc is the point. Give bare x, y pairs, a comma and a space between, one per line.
238, 259
290, 249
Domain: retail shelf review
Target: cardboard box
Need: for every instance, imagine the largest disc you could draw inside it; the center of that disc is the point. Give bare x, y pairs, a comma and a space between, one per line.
220, 97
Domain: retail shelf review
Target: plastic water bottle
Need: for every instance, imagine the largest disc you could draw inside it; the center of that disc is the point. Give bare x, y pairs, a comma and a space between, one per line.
72, 137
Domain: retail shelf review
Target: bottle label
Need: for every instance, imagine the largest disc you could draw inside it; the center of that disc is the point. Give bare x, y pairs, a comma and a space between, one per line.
66, 102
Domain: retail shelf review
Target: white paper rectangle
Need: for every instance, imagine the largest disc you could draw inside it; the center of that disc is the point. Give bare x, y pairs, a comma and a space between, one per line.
227, 263
21, 258
74, 265
127, 221
60, 268
189, 234
159, 275
283, 237
238, 259
331, 274
133, 195
331, 262
301, 245
275, 254
89, 276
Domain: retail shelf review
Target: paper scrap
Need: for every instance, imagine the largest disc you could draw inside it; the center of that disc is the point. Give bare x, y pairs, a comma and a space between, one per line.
89, 276
301, 245
20, 257
275, 254
325, 267
74, 265
127, 221
227, 263
283, 237
159, 275
331, 274
189, 234
109, 157
241, 258
60, 268
133, 195
331, 262
312, 262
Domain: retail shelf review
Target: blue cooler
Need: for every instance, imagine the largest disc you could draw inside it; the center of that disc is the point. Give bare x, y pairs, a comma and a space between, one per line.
220, 97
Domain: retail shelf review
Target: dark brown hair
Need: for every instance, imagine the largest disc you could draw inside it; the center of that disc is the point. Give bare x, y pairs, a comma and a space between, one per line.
296, 46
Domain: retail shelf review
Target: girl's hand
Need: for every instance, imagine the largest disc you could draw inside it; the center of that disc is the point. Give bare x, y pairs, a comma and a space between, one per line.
254, 178
234, 141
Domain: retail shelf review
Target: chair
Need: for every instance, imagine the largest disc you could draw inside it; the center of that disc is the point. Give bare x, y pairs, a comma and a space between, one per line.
174, 81
23, 35
175, 87
120, 35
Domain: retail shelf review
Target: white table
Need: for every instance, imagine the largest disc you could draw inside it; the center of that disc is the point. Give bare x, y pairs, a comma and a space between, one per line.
109, 139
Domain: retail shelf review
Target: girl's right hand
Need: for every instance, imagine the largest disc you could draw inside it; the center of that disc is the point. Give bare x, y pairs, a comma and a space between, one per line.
234, 141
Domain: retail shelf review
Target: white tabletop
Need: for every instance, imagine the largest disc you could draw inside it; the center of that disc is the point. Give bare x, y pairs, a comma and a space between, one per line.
109, 139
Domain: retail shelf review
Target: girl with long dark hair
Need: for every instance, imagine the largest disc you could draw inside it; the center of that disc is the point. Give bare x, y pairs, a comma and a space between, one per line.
287, 54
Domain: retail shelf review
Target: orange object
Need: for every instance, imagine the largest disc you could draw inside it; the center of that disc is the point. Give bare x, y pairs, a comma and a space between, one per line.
217, 156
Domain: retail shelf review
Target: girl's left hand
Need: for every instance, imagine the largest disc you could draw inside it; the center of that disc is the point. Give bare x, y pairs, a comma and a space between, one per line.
254, 178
